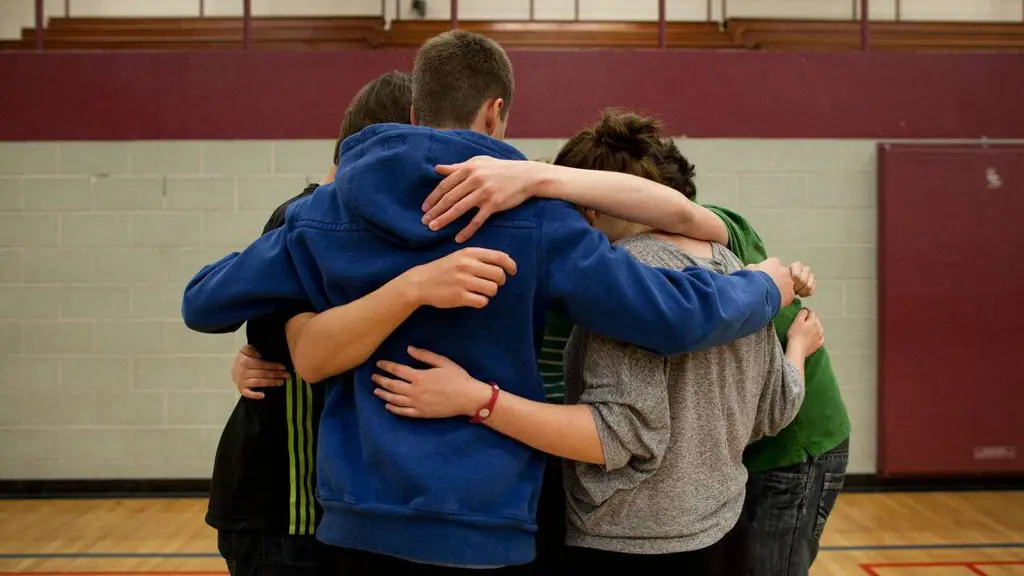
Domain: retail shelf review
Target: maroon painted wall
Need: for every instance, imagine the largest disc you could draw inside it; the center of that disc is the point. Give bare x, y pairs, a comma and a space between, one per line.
949, 350
227, 95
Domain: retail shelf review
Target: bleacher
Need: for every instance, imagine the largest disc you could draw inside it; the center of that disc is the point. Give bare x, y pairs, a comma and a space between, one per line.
331, 33
204, 34
758, 34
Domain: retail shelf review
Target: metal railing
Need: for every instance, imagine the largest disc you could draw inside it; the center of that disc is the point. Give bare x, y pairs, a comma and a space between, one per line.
859, 10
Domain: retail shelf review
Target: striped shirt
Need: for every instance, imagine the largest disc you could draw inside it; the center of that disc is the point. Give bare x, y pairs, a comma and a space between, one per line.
556, 334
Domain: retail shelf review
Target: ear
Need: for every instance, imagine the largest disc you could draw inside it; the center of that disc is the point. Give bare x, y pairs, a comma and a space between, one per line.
412, 114
492, 117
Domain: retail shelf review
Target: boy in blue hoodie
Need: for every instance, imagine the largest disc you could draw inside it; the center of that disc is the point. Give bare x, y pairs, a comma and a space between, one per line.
398, 493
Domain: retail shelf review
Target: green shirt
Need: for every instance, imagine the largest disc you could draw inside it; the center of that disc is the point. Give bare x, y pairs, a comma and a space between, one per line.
822, 423
556, 334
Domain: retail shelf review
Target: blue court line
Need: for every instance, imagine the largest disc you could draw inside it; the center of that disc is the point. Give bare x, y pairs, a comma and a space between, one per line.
114, 555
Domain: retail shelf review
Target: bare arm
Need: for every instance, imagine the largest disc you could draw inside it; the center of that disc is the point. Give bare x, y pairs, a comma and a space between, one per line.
334, 341
622, 420
633, 199
562, 430
493, 185
785, 387
343, 337
445, 390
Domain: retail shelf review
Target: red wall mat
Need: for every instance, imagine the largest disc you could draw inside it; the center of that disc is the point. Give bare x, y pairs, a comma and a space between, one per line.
951, 322
699, 93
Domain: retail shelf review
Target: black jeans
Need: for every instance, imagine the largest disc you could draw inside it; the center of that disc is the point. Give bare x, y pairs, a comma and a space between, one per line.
255, 553
787, 509
723, 558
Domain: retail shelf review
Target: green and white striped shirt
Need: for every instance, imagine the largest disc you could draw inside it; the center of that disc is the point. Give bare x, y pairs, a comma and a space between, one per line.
556, 334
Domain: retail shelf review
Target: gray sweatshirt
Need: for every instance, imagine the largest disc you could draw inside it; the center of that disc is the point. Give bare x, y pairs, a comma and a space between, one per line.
673, 429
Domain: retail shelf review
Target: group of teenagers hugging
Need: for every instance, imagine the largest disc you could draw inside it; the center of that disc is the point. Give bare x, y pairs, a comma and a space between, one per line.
461, 360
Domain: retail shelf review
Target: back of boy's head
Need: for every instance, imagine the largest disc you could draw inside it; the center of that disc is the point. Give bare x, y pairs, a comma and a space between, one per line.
454, 75
619, 142
676, 171
381, 100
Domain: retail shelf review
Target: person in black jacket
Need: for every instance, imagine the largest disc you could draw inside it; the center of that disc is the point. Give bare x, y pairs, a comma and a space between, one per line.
262, 499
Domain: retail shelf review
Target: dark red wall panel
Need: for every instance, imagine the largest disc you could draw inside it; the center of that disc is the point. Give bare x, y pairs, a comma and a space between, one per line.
951, 324
182, 95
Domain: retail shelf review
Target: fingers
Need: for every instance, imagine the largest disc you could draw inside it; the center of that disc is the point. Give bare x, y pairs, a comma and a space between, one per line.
268, 375
463, 201
402, 371
480, 286
392, 398
471, 300
251, 394
485, 271
494, 258
429, 358
445, 203
403, 411
250, 351
446, 169
811, 286
466, 233
802, 315
454, 176
799, 274
392, 385
261, 382
250, 363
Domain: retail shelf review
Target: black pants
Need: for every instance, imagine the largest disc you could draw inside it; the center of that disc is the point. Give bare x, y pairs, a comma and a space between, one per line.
551, 521
255, 553
723, 558
358, 563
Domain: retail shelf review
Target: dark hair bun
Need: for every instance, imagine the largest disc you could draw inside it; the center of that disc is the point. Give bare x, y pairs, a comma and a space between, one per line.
626, 132
676, 171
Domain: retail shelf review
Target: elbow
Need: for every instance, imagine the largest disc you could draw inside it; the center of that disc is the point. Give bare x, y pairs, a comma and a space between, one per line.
682, 220
307, 366
316, 365
195, 314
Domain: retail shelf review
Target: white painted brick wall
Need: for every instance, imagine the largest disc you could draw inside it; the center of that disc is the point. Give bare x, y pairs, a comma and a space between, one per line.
99, 378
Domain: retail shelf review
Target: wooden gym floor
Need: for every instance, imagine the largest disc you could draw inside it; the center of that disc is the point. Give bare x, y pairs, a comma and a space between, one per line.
895, 534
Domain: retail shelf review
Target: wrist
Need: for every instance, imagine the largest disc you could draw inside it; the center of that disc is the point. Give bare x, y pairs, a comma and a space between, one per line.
543, 180
797, 347
410, 290
479, 397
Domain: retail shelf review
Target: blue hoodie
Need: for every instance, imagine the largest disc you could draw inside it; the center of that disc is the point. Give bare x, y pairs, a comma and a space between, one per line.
447, 491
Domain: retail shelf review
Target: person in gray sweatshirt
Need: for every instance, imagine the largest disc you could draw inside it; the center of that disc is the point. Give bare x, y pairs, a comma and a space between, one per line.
653, 445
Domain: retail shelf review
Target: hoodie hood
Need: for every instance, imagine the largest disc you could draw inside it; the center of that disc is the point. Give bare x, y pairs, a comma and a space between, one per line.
388, 170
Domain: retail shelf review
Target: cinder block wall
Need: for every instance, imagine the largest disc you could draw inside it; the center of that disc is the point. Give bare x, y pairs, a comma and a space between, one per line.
99, 378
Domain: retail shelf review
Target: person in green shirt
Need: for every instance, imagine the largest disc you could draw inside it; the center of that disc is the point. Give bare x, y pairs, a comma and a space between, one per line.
796, 476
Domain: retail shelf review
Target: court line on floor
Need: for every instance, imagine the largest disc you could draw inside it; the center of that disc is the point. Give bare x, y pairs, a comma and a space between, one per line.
868, 548
974, 567
107, 555
967, 546
117, 573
